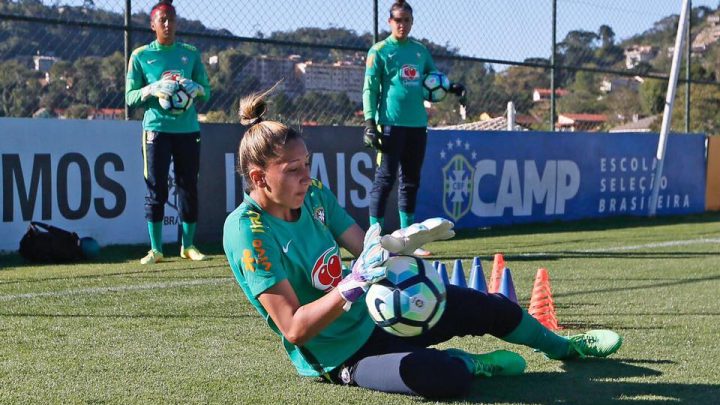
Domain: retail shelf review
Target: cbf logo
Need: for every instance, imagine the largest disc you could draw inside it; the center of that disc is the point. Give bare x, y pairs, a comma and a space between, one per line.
457, 179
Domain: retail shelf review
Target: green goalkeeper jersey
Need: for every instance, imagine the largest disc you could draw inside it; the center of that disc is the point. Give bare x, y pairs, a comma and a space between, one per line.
153, 62
264, 250
392, 93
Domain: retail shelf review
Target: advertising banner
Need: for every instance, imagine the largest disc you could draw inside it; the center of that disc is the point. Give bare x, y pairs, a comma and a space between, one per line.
490, 178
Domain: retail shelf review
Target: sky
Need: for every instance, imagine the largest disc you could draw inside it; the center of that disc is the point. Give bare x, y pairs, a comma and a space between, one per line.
494, 29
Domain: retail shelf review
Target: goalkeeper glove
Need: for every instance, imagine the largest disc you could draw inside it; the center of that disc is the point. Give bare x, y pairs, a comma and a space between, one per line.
459, 90
192, 88
404, 241
368, 268
371, 138
163, 88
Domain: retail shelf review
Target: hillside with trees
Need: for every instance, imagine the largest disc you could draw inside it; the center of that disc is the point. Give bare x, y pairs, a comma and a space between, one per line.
87, 72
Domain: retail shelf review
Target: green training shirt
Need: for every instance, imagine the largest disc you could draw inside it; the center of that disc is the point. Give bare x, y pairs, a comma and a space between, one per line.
392, 93
153, 62
263, 250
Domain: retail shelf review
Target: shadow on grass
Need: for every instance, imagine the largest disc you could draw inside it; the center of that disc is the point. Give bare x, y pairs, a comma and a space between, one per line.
651, 286
587, 225
127, 316
591, 381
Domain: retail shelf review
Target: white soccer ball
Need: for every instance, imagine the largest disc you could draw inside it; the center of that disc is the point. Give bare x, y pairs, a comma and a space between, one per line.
178, 103
410, 300
435, 86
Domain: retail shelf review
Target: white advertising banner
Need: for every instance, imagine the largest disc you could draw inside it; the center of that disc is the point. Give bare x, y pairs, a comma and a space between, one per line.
80, 175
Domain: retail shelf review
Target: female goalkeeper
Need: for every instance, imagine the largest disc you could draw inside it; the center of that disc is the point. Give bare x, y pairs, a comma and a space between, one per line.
283, 245
155, 71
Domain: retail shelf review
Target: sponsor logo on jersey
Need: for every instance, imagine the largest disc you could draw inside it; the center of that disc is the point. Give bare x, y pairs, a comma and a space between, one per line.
172, 75
410, 74
258, 257
327, 272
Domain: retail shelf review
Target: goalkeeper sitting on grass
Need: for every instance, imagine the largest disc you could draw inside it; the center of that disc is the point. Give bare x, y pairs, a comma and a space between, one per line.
283, 245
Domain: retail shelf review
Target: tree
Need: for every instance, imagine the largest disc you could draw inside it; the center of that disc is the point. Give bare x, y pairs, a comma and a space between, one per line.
652, 96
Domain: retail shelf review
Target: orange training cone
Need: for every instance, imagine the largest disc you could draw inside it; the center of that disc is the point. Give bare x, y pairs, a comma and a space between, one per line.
496, 274
542, 306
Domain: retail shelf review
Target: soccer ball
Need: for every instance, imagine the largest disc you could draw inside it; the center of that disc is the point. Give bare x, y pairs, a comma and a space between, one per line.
178, 103
435, 86
410, 300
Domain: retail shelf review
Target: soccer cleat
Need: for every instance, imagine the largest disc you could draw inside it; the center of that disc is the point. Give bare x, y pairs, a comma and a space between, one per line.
594, 343
499, 362
192, 253
152, 257
420, 252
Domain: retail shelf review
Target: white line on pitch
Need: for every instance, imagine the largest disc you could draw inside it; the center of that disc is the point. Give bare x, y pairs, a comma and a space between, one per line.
633, 247
105, 290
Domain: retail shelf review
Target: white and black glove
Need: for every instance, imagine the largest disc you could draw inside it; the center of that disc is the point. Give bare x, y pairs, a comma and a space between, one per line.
163, 88
193, 89
404, 241
368, 269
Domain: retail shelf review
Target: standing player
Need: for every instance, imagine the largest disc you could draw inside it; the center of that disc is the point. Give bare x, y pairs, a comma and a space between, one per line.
158, 70
283, 246
393, 98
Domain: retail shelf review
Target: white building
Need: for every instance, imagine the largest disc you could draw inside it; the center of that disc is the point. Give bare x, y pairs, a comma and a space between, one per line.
333, 78
636, 54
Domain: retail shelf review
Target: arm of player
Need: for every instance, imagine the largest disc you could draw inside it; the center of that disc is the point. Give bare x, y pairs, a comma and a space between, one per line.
371, 85
134, 83
298, 324
352, 240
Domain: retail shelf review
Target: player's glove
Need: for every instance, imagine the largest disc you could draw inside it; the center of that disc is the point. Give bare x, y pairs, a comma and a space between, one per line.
163, 88
368, 269
371, 138
404, 241
459, 90
193, 89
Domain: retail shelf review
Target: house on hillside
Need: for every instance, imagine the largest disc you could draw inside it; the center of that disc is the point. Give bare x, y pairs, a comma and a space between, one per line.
610, 84
636, 125
636, 54
544, 94
580, 122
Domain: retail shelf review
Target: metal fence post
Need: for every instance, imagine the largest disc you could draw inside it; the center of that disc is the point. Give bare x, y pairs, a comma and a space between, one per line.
128, 44
552, 66
688, 65
375, 21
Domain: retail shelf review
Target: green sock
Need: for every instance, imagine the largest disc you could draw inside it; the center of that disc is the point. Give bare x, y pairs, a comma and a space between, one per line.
406, 219
377, 220
532, 333
155, 231
188, 233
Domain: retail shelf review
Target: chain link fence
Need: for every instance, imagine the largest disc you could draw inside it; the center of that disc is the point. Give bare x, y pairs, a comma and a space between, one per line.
68, 58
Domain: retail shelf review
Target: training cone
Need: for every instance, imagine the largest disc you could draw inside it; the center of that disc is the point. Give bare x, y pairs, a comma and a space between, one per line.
458, 276
476, 262
443, 273
477, 278
542, 306
496, 274
507, 288
436, 264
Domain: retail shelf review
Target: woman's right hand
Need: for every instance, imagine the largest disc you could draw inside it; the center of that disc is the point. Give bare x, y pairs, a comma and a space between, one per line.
163, 88
368, 269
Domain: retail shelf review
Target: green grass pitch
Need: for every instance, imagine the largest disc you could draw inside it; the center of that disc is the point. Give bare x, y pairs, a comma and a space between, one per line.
113, 331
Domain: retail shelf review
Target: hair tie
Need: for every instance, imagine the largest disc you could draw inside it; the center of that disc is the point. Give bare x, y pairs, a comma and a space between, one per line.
255, 120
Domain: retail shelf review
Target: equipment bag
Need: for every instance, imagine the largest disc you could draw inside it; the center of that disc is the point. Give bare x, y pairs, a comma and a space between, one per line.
47, 243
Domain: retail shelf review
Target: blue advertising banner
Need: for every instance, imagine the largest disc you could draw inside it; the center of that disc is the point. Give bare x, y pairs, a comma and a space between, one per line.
494, 178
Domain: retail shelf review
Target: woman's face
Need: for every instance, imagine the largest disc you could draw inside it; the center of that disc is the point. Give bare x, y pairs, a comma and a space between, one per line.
163, 23
401, 22
287, 178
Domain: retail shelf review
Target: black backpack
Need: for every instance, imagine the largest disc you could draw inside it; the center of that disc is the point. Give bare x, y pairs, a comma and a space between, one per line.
47, 243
